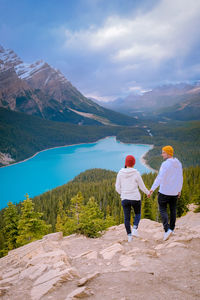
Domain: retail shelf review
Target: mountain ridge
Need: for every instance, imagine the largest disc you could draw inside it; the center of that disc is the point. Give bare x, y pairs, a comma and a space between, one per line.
39, 89
153, 103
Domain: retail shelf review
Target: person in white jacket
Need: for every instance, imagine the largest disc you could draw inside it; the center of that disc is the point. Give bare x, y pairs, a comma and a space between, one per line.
127, 183
170, 181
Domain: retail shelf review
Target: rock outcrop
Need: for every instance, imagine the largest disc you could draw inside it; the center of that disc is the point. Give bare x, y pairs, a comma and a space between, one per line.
108, 267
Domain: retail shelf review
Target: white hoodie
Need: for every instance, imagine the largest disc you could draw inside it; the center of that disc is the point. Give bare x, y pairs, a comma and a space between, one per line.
170, 177
127, 182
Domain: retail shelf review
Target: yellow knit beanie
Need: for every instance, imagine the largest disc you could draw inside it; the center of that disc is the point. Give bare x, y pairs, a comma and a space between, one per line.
168, 149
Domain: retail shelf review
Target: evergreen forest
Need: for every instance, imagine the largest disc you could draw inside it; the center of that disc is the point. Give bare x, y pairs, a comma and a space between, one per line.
86, 205
22, 141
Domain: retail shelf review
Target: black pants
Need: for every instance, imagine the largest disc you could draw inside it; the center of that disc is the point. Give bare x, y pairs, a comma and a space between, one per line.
127, 204
163, 201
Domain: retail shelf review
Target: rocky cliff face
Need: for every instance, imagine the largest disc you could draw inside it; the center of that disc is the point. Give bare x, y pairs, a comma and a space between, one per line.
107, 267
41, 90
8, 58
11, 86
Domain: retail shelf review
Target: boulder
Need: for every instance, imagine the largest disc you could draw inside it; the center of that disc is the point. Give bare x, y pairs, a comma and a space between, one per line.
109, 252
33, 272
42, 289
57, 236
80, 292
50, 258
67, 274
89, 277
50, 280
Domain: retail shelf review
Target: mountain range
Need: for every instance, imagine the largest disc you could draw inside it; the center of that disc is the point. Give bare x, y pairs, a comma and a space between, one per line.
40, 108
174, 101
41, 90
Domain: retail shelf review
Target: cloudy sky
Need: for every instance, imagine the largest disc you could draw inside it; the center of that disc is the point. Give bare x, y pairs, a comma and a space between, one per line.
107, 48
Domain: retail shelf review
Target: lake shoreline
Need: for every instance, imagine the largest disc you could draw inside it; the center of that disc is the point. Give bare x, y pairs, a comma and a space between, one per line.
70, 145
59, 165
142, 159
144, 162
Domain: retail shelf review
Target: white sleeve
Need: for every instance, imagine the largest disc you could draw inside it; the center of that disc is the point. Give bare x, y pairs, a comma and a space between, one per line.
159, 177
180, 178
142, 185
118, 184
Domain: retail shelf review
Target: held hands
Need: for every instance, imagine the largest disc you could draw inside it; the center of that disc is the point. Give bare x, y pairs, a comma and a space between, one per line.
150, 193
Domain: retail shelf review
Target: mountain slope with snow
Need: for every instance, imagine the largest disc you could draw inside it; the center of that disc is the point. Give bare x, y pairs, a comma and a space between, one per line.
39, 89
164, 101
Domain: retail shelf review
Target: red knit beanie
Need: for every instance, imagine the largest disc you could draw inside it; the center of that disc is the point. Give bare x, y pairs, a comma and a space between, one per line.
130, 161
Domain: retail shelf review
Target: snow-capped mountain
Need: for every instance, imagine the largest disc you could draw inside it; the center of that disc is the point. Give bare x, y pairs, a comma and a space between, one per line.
8, 59
42, 90
162, 101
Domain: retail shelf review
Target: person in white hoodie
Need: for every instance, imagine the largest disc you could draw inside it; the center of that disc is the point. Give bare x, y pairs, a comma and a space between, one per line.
170, 181
127, 183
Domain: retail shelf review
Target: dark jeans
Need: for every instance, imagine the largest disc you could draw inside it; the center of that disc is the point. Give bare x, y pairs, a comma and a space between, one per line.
127, 204
163, 201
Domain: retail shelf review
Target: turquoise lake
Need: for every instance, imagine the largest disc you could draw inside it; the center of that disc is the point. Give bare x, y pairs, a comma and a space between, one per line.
53, 167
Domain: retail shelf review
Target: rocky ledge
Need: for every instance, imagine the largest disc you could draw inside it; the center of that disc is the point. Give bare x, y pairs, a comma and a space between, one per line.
108, 267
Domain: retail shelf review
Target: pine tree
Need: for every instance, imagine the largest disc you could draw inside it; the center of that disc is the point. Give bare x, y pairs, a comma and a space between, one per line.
91, 219
61, 217
11, 219
109, 221
30, 226
73, 215
77, 206
182, 202
147, 209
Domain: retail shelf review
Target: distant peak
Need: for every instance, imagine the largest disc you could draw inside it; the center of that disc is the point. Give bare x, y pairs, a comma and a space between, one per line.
1, 49
9, 58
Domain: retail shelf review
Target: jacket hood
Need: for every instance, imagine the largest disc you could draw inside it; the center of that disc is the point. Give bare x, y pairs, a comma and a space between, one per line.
127, 172
174, 162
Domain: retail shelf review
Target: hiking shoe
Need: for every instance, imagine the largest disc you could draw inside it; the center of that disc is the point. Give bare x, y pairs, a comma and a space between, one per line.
129, 238
167, 234
135, 232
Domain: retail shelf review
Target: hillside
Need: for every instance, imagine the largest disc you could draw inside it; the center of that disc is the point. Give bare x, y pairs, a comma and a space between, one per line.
187, 110
183, 136
107, 267
41, 90
177, 102
22, 135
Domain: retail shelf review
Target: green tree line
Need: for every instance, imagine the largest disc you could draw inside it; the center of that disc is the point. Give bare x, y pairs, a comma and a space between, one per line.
87, 205
22, 141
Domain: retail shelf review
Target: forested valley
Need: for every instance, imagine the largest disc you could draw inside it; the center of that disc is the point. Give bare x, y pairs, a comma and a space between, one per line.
22, 136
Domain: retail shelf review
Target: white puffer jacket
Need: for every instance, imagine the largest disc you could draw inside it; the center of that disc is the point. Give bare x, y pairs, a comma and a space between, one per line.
127, 183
